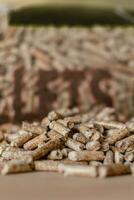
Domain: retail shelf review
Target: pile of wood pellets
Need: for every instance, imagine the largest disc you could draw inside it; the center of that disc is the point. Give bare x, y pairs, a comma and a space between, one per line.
90, 143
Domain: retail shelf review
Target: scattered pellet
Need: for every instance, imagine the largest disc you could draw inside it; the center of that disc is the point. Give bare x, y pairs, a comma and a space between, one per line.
106, 114
111, 132
118, 157
59, 128
34, 128
76, 119
67, 161
95, 163
69, 112
86, 131
93, 145
74, 145
65, 152
16, 166
110, 125
55, 155
129, 156
130, 148
13, 153
53, 115
86, 155
80, 138
9, 137
105, 146
113, 170
99, 128
120, 134
96, 135
45, 122
78, 170
46, 165
132, 169
66, 122
130, 125
109, 158
125, 143
53, 135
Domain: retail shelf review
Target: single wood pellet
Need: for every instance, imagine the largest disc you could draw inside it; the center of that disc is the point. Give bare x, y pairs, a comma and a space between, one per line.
109, 158
53, 115
118, 157
74, 145
46, 165
80, 138
56, 126
125, 143
85, 130
16, 166
121, 133
93, 145
66, 122
78, 170
86, 155
55, 155
113, 170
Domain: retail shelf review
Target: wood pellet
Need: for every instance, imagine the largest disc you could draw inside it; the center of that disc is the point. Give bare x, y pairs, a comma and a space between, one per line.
63, 143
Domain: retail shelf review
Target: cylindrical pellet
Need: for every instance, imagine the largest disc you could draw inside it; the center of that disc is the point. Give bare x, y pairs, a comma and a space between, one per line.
86, 155
53, 115
109, 158
55, 155
74, 145
80, 138
59, 128
118, 157
53, 135
33, 143
93, 145
120, 134
46, 165
44, 149
16, 166
78, 170
113, 170
125, 143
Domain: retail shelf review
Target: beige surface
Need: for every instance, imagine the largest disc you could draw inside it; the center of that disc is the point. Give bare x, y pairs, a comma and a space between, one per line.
108, 3
28, 2
48, 186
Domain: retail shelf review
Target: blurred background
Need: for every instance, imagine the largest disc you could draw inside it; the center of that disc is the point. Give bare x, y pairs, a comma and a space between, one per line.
68, 53
126, 3
78, 12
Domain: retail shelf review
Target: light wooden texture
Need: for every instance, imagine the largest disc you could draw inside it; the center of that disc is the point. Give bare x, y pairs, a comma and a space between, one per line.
33, 186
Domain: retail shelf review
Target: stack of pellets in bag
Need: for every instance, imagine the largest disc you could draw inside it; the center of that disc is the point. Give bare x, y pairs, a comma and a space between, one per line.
43, 69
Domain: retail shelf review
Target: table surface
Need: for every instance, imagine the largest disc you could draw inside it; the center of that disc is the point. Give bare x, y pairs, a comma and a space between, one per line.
52, 186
